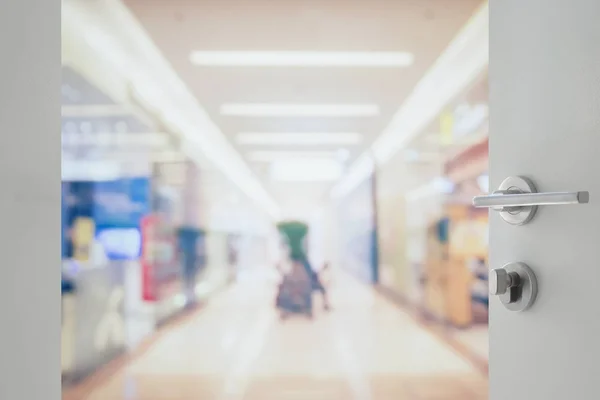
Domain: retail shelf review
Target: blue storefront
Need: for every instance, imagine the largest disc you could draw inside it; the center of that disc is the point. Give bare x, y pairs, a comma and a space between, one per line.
119, 207
100, 228
96, 312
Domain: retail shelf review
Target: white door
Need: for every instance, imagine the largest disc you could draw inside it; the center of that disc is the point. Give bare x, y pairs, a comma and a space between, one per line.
545, 125
30, 304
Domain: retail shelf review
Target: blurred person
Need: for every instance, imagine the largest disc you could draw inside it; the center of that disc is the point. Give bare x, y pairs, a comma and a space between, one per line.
294, 234
295, 291
317, 284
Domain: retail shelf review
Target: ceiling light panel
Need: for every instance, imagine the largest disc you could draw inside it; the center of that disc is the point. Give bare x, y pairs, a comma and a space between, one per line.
306, 156
299, 170
298, 139
300, 110
301, 59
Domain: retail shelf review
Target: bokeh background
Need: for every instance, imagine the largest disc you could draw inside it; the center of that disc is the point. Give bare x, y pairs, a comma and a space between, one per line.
191, 128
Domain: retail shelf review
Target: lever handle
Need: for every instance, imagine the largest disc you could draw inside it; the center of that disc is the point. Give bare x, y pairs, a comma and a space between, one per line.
517, 200
507, 198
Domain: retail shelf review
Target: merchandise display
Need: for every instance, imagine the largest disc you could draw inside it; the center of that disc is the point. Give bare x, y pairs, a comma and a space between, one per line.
468, 251
103, 206
433, 242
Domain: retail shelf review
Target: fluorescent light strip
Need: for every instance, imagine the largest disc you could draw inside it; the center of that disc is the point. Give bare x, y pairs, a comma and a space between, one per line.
78, 170
269, 156
300, 110
298, 139
301, 59
303, 171
100, 110
115, 140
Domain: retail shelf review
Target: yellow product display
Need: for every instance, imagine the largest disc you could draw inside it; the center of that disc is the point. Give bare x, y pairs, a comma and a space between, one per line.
446, 128
468, 240
435, 275
458, 294
448, 278
83, 232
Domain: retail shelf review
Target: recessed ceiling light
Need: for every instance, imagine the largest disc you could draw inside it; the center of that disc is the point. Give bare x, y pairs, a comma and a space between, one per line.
301, 171
300, 110
298, 139
301, 59
306, 156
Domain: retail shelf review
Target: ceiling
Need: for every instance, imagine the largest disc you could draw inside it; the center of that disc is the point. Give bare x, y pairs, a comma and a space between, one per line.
421, 27
98, 134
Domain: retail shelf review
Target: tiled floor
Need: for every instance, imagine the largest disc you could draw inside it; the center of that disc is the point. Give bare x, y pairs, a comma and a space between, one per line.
238, 349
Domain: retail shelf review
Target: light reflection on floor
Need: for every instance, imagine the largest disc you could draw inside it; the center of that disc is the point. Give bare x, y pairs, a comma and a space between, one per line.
238, 349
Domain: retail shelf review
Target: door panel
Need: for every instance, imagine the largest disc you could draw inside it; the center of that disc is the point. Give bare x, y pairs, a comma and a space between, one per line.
545, 125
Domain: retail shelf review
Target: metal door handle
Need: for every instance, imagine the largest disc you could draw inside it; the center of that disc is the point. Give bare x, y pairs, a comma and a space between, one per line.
517, 200
515, 284
501, 199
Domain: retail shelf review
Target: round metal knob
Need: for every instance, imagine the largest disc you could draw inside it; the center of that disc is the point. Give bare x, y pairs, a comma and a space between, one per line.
501, 280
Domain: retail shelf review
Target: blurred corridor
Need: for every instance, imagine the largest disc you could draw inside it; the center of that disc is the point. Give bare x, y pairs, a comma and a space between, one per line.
202, 139
237, 348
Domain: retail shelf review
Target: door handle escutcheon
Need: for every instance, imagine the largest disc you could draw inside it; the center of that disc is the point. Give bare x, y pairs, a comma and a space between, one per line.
515, 284
517, 200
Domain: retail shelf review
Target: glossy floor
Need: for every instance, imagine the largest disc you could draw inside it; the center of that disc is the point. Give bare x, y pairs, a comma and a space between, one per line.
238, 349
